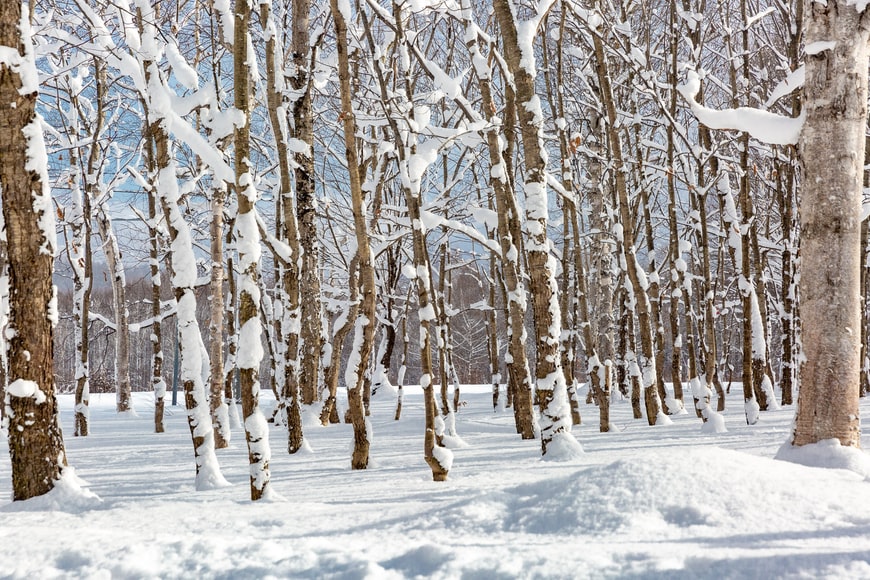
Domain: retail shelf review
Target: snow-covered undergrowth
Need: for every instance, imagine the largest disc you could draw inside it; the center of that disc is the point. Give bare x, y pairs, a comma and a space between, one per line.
642, 502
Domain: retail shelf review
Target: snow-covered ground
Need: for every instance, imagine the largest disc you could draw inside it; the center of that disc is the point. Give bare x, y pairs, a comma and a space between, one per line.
643, 502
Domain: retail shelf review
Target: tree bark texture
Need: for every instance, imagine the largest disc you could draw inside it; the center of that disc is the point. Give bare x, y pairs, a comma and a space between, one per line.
306, 205
365, 320
248, 245
832, 151
549, 378
35, 440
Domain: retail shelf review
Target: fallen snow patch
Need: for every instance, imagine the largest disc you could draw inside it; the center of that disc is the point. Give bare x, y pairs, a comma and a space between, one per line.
829, 454
69, 494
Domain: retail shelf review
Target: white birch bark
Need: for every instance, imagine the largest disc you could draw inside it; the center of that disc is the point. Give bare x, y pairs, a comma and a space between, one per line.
832, 150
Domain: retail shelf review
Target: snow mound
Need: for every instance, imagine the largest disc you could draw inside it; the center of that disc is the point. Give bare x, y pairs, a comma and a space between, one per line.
675, 406
662, 419
672, 495
563, 447
453, 442
68, 495
828, 453
715, 423
310, 416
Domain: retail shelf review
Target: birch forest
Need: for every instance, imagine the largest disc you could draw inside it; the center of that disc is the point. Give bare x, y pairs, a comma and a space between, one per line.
576, 202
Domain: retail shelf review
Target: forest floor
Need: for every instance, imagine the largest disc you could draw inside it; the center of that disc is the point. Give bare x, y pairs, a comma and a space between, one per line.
642, 502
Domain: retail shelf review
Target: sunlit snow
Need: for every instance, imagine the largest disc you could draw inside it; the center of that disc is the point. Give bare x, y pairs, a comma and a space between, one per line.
640, 502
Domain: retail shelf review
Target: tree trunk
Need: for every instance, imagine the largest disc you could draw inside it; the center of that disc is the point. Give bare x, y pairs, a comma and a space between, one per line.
115, 264
82, 267
217, 403
158, 385
519, 376
832, 152
328, 412
312, 332
289, 233
35, 440
634, 272
248, 244
549, 378
365, 320
182, 267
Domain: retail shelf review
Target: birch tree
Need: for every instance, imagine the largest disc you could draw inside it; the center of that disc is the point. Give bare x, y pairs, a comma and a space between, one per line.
832, 158
549, 378
162, 120
35, 440
250, 351
509, 234
364, 325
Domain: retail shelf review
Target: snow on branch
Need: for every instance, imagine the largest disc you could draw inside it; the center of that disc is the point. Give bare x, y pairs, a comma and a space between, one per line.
791, 83
431, 220
762, 125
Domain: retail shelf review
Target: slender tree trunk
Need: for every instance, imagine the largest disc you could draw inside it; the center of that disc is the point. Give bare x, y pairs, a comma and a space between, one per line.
217, 403
248, 245
82, 266
365, 320
158, 385
569, 221
635, 274
182, 267
306, 204
230, 310
289, 232
115, 264
406, 341
114, 259
519, 377
438, 458
329, 411
549, 379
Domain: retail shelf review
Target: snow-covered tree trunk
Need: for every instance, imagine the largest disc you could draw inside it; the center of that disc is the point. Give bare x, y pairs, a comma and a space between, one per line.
571, 247
115, 264
35, 440
693, 32
638, 282
230, 318
788, 181
364, 324
403, 366
519, 387
112, 251
250, 352
311, 330
492, 332
602, 279
289, 294
217, 404
158, 384
183, 260
549, 379
412, 165
653, 290
678, 264
79, 252
832, 151
343, 326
